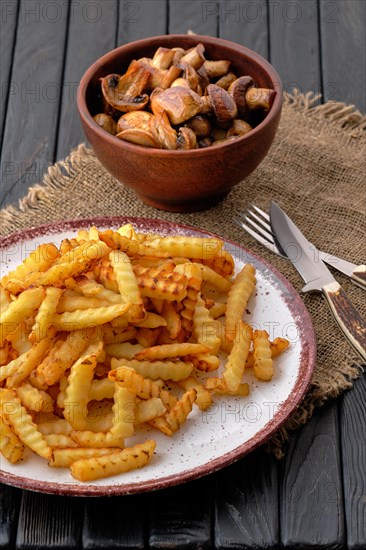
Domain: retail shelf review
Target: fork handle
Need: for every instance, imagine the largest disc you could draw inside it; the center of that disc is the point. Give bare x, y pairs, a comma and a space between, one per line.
347, 317
359, 276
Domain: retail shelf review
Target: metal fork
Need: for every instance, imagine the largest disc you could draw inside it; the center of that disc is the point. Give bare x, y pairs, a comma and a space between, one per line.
258, 225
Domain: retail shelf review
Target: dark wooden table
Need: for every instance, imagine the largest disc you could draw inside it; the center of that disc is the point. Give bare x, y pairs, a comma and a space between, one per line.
316, 496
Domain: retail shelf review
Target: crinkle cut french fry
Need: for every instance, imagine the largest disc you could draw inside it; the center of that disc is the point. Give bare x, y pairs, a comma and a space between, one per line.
171, 287
22, 423
75, 302
127, 230
171, 350
132, 248
152, 320
278, 346
217, 310
124, 350
20, 310
85, 252
78, 388
188, 247
148, 337
178, 414
99, 440
163, 370
205, 362
263, 363
39, 260
123, 412
59, 441
5, 300
222, 263
34, 399
116, 463
173, 322
88, 317
90, 288
43, 318
10, 445
209, 275
4, 354
63, 458
63, 355
101, 389
193, 274
58, 427
218, 386
125, 277
237, 300
27, 362
203, 398
234, 368
144, 388
117, 335
205, 329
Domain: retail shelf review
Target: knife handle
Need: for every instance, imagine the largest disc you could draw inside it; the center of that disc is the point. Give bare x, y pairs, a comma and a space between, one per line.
359, 276
347, 317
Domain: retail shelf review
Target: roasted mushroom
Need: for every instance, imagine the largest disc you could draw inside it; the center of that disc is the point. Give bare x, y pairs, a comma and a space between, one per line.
222, 105
125, 93
163, 58
260, 98
162, 131
195, 56
180, 103
159, 78
238, 90
191, 75
139, 137
225, 81
186, 139
239, 128
216, 69
134, 119
106, 122
200, 125
180, 82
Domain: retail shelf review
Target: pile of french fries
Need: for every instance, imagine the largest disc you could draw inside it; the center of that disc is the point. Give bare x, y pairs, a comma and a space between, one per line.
116, 329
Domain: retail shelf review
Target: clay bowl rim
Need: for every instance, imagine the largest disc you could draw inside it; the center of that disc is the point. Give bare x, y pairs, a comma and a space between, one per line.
167, 153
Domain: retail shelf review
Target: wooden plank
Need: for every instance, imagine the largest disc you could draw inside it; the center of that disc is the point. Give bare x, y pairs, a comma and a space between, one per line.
180, 517
343, 37
9, 509
245, 22
353, 437
246, 509
33, 106
200, 17
9, 18
48, 521
140, 19
115, 522
87, 20
294, 44
311, 496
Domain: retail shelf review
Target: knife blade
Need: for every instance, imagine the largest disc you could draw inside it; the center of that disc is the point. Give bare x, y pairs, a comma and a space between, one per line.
318, 278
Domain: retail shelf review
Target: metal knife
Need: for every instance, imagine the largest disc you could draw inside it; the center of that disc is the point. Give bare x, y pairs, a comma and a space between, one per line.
356, 272
318, 278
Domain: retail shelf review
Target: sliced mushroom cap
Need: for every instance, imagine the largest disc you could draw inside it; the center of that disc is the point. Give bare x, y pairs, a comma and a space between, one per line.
125, 93
206, 142
162, 131
190, 74
225, 81
238, 90
139, 137
216, 69
178, 54
186, 139
106, 122
195, 56
260, 98
180, 103
200, 125
223, 105
134, 119
239, 128
159, 78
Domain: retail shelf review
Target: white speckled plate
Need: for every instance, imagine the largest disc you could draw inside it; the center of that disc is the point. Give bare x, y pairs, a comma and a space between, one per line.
209, 440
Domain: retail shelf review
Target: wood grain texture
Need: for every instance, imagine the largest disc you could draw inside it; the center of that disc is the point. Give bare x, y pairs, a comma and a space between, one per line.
140, 19
180, 517
115, 522
245, 22
9, 19
353, 437
87, 20
246, 504
294, 44
33, 106
48, 521
9, 509
343, 38
311, 505
199, 16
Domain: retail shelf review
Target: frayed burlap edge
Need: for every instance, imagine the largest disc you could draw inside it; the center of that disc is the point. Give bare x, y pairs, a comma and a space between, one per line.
351, 126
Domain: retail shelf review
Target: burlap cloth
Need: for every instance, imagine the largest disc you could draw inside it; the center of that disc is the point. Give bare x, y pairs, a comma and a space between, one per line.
315, 169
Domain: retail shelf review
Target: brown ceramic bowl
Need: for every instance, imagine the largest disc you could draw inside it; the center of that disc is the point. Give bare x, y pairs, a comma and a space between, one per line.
180, 181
